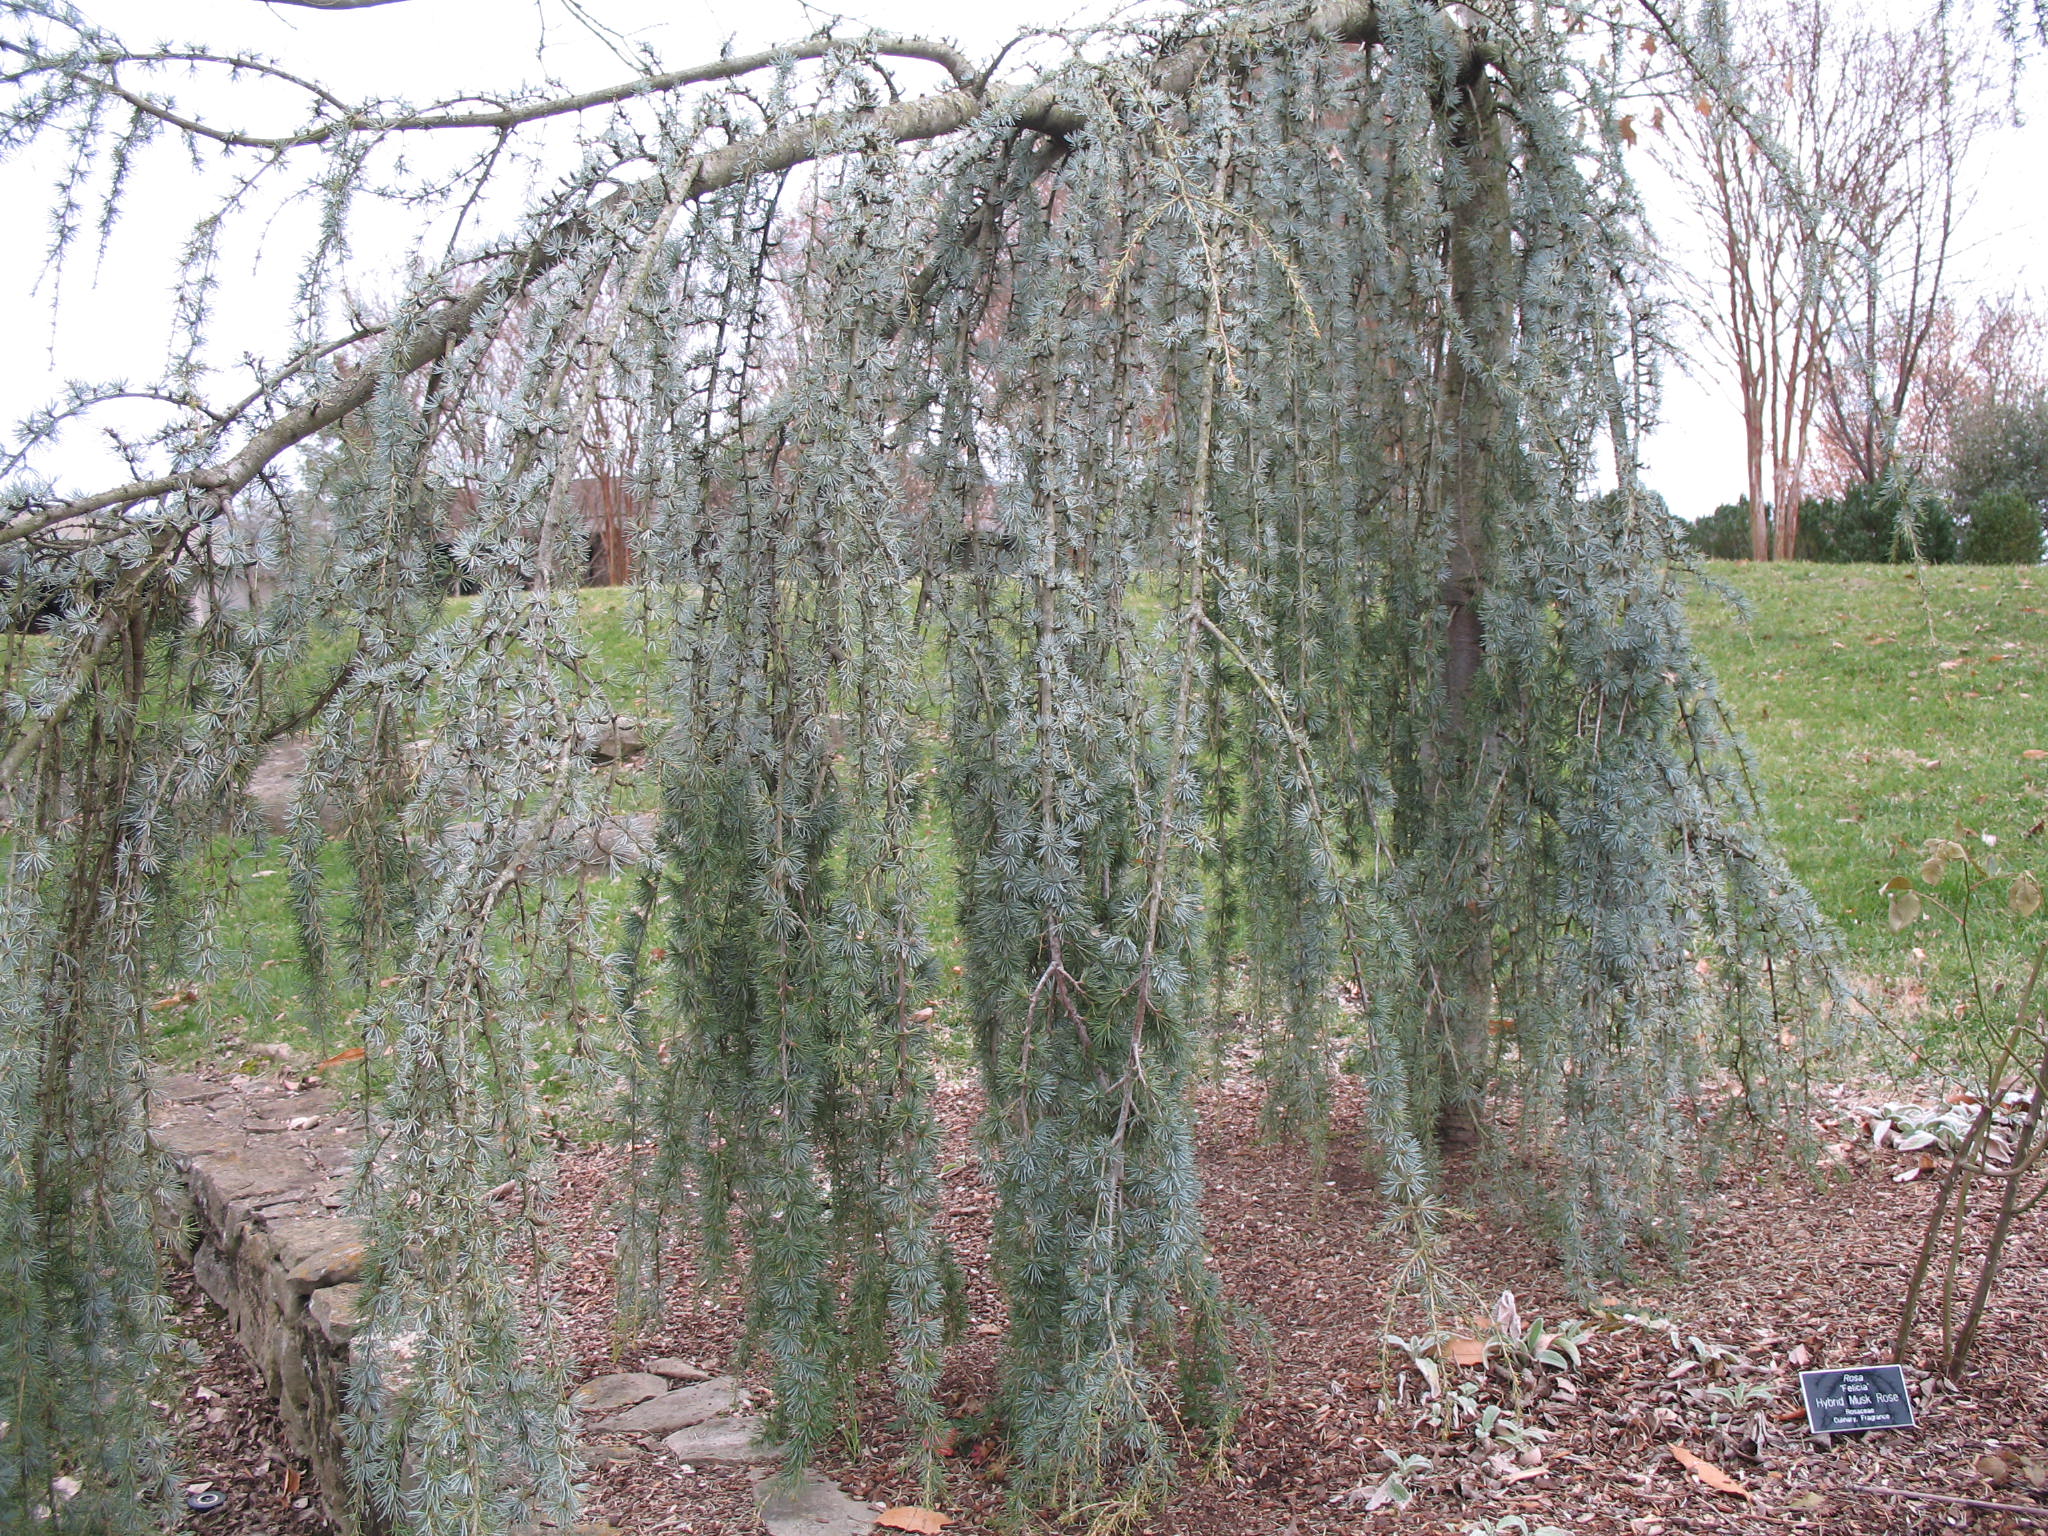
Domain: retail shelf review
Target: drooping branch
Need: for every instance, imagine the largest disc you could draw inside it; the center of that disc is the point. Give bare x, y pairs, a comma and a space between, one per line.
503, 117
1041, 109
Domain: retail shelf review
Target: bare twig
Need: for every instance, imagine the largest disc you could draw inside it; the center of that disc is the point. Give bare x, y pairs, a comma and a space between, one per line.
2038, 1511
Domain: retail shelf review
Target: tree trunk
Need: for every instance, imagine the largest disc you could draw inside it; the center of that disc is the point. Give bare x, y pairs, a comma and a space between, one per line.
1459, 956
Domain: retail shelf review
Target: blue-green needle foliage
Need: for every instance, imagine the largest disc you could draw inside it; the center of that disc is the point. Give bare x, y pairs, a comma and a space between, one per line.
1176, 484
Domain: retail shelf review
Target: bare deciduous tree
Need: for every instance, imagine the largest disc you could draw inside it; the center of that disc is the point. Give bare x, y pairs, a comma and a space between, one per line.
1828, 183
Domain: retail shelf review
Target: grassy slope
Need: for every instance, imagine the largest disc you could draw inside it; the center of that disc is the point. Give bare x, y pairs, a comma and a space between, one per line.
257, 994
1885, 711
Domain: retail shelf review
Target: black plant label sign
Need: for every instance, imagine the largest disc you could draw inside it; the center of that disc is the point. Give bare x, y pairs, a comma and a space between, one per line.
1864, 1397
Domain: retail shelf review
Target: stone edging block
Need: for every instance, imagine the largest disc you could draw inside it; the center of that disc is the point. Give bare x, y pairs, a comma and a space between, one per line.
260, 1167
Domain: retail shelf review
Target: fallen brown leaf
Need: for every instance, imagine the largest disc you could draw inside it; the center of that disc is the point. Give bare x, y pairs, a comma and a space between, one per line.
1707, 1472
1460, 1351
913, 1517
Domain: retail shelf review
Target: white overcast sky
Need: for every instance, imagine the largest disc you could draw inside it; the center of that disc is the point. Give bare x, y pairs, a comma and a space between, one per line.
112, 318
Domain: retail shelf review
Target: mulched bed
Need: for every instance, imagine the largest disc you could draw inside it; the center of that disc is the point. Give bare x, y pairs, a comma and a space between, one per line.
1786, 1271
229, 1435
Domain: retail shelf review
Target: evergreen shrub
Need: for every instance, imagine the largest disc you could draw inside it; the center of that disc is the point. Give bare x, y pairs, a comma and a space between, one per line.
1863, 526
2002, 528
1859, 527
1722, 534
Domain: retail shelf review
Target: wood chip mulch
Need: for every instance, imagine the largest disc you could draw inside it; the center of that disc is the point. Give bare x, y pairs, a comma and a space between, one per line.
1789, 1269
230, 1439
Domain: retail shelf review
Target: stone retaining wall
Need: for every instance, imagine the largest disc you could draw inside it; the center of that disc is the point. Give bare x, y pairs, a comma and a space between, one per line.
260, 1167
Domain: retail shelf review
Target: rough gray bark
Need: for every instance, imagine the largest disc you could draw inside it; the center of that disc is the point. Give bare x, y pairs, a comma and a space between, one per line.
1459, 969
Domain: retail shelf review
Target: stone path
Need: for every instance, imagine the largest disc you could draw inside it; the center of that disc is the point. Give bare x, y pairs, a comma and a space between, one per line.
703, 1424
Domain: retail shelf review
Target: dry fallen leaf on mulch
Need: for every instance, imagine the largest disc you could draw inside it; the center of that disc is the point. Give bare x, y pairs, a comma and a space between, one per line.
1465, 1351
1707, 1472
913, 1517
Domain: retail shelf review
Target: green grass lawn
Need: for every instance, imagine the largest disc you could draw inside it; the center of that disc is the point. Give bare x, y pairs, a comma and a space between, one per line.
256, 993
1886, 709
1883, 710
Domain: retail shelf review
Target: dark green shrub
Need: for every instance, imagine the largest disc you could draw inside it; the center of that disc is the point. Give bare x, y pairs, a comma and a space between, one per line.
2004, 529
1722, 534
1936, 527
1862, 526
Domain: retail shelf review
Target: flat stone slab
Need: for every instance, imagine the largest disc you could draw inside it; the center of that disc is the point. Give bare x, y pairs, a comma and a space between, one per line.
334, 1312
676, 1410
608, 1394
722, 1442
814, 1507
676, 1370
320, 1251
260, 1151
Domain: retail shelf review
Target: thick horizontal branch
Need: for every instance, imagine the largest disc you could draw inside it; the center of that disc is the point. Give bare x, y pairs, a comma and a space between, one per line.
1348, 21
225, 478
504, 118
922, 119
